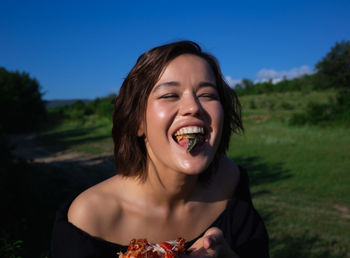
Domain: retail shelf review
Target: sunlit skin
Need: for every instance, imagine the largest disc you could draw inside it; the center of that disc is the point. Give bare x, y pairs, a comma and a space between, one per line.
185, 95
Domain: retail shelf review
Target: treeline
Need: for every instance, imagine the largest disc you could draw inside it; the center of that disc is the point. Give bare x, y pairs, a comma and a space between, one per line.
79, 110
332, 72
247, 87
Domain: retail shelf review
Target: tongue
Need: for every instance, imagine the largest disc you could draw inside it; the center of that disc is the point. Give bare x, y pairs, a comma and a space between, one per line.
184, 142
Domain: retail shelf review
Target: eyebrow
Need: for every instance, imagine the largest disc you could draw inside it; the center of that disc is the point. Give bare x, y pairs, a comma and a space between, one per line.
175, 83
166, 84
206, 84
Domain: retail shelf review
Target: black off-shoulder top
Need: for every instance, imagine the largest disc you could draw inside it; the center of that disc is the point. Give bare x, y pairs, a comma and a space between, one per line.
242, 226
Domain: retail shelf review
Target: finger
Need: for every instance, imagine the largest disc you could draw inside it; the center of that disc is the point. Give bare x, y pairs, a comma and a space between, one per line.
208, 242
211, 241
214, 231
212, 238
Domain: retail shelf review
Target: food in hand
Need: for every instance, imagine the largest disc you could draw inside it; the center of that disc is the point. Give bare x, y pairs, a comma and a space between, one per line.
141, 248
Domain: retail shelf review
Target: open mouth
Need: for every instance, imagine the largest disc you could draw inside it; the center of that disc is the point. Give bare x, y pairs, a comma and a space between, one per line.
190, 137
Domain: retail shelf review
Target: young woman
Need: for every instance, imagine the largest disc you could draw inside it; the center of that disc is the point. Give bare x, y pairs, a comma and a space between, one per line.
172, 123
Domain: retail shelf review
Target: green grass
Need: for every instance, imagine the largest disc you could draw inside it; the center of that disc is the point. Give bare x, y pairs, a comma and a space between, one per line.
91, 135
300, 176
300, 179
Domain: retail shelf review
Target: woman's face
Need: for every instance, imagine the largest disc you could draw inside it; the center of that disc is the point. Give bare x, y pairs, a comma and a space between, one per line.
184, 100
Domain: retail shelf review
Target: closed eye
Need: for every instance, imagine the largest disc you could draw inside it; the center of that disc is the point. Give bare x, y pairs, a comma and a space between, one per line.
209, 96
168, 96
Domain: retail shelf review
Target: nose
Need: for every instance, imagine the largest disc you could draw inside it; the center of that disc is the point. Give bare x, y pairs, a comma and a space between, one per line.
190, 105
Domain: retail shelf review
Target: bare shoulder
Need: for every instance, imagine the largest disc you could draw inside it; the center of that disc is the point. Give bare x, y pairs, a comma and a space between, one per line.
94, 209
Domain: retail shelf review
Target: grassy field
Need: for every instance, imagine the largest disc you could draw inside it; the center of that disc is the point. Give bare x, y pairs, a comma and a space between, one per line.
91, 135
300, 178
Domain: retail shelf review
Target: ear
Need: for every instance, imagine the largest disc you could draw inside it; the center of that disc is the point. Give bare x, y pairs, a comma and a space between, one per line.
141, 131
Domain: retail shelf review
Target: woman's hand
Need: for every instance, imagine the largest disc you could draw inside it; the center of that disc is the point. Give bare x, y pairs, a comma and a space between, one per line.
212, 244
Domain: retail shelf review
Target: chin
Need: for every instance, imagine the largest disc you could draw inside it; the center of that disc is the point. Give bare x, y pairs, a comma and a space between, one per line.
194, 168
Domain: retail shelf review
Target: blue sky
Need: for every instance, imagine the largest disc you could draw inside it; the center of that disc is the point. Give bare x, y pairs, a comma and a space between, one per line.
84, 49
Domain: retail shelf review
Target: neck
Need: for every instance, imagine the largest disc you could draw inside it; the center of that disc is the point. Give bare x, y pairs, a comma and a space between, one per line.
170, 188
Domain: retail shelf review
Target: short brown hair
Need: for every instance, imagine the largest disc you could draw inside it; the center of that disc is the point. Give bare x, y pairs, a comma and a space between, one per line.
130, 105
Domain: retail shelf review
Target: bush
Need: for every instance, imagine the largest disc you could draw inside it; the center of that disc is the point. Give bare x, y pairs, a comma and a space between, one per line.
287, 106
252, 104
21, 105
271, 105
10, 248
332, 113
314, 114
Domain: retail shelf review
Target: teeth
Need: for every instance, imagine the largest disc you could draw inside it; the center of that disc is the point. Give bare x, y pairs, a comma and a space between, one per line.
189, 130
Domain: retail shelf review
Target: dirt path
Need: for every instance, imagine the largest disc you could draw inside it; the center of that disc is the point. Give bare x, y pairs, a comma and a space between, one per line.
28, 148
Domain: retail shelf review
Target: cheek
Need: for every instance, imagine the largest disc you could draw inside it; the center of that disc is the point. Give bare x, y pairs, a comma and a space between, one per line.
161, 114
156, 115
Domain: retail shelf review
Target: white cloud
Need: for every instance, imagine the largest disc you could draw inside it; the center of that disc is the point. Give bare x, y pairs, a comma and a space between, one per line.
231, 82
277, 76
276, 80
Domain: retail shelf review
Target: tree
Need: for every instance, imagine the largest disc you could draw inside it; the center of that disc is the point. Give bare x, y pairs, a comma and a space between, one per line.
21, 104
333, 71
247, 84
